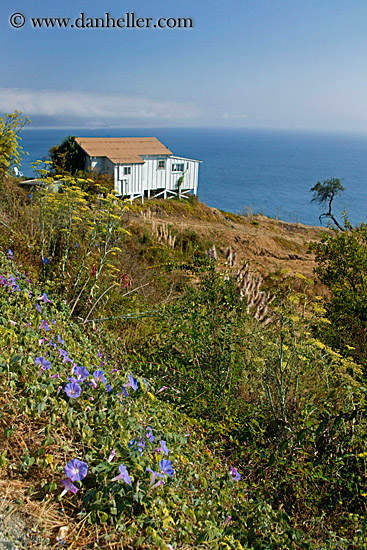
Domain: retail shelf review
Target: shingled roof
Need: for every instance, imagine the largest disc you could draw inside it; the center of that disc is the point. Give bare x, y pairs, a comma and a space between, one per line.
122, 150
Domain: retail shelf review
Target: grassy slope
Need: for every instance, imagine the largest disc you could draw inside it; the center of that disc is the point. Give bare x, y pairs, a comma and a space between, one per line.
43, 429
269, 244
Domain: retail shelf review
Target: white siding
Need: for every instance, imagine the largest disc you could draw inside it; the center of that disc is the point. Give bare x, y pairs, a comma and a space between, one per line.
148, 177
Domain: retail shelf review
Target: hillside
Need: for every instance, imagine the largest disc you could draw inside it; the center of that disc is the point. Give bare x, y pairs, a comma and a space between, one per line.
268, 244
146, 403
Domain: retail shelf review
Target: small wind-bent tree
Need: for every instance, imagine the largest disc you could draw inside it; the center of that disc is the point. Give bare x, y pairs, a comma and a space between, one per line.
324, 194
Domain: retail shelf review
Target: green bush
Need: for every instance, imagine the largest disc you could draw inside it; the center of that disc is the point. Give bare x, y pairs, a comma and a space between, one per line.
342, 266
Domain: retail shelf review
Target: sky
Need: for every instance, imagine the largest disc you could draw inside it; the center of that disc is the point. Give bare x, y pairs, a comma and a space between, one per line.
287, 64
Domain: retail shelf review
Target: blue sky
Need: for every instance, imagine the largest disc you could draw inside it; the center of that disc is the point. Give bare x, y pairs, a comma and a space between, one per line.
292, 64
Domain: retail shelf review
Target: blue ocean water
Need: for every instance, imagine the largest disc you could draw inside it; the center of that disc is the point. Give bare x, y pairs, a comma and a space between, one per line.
270, 172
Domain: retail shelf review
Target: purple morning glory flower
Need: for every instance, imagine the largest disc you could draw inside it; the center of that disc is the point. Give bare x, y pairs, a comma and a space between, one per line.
150, 435
166, 467
76, 470
163, 448
123, 475
154, 475
69, 486
108, 388
166, 470
10, 254
44, 325
45, 298
124, 392
46, 261
73, 390
158, 484
64, 355
99, 376
81, 373
235, 474
45, 365
112, 456
133, 382
13, 283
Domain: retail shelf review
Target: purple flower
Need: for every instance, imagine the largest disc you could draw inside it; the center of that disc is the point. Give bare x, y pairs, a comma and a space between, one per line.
112, 456
163, 448
64, 355
46, 261
69, 486
45, 365
235, 474
123, 475
38, 308
154, 475
150, 435
162, 389
99, 376
44, 298
99, 353
76, 244
108, 388
158, 484
13, 283
76, 470
73, 390
81, 373
60, 340
10, 254
44, 325
166, 467
133, 382
140, 444
124, 392
166, 470
29, 195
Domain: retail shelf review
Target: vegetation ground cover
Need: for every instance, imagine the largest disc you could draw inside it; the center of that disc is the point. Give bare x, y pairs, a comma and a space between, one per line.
143, 404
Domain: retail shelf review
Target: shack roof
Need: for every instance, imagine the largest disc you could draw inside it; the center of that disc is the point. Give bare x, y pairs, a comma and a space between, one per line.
122, 150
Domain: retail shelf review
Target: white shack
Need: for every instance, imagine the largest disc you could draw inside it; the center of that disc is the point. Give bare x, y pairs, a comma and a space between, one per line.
142, 167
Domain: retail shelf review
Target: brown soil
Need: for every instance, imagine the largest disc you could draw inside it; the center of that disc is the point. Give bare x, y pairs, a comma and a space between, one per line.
267, 244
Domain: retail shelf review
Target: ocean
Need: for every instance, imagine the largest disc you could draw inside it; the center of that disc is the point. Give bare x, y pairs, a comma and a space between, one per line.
268, 172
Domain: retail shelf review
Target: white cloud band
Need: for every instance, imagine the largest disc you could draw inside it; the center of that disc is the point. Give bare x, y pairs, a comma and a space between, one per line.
89, 105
